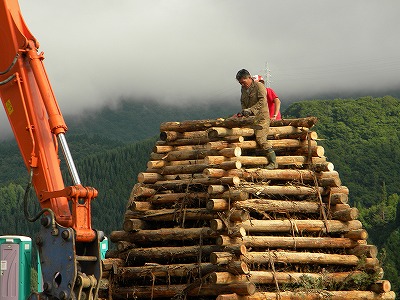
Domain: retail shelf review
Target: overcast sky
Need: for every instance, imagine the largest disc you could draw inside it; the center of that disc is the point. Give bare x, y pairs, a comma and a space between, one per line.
190, 50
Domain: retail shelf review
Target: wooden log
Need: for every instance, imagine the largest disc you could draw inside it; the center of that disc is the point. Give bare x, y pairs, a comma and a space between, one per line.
313, 150
217, 224
197, 125
333, 190
214, 189
144, 177
336, 198
170, 291
308, 258
174, 135
283, 143
124, 245
300, 122
381, 286
233, 139
323, 178
267, 226
302, 135
231, 152
171, 270
167, 184
217, 132
219, 204
222, 258
189, 154
176, 197
186, 144
238, 215
111, 263
364, 250
289, 242
159, 164
279, 206
140, 205
216, 160
167, 253
346, 214
161, 235
171, 214
134, 225
157, 156
267, 277
235, 195
183, 169
141, 191
186, 214
282, 190
313, 295
358, 234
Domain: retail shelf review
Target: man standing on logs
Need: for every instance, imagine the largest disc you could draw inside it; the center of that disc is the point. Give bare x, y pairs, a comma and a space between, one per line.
254, 103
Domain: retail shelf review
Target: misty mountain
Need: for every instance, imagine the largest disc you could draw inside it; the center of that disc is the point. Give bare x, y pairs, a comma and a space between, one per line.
131, 121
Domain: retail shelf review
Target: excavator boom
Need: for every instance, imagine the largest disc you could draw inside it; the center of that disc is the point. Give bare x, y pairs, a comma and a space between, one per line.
68, 246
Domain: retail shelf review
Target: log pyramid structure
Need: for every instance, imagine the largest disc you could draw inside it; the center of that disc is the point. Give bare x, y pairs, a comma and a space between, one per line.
206, 220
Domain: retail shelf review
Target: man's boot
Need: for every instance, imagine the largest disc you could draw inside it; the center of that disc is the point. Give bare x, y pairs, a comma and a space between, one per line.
271, 160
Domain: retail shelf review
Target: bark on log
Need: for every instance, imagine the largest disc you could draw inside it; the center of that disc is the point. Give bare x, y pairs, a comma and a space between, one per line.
124, 245
235, 195
288, 242
145, 177
174, 270
176, 197
167, 253
197, 125
174, 135
264, 205
186, 214
360, 234
323, 178
267, 226
139, 190
309, 295
381, 286
170, 291
267, 277
162, 235
172, 214
336, 198
364, 250
189, 154
159, 164
168, 184
217, 132
140, 205
134, 225
214, 189
282, 190
308, 258
346, 214
313, 151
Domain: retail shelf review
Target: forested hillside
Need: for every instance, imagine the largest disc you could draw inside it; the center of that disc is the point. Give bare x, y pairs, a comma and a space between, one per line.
360, 137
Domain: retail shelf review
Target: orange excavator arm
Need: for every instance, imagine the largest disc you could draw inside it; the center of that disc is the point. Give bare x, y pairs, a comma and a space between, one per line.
39, 129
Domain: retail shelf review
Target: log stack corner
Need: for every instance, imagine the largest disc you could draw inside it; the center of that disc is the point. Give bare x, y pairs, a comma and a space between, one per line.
207, 221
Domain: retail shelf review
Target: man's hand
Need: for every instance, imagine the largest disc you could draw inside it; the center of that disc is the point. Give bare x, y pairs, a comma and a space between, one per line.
246, 112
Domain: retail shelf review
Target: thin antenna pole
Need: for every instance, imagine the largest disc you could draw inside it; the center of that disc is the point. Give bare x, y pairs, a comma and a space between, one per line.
268, 75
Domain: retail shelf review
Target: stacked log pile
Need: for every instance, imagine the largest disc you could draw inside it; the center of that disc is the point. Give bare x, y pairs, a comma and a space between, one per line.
207, 221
